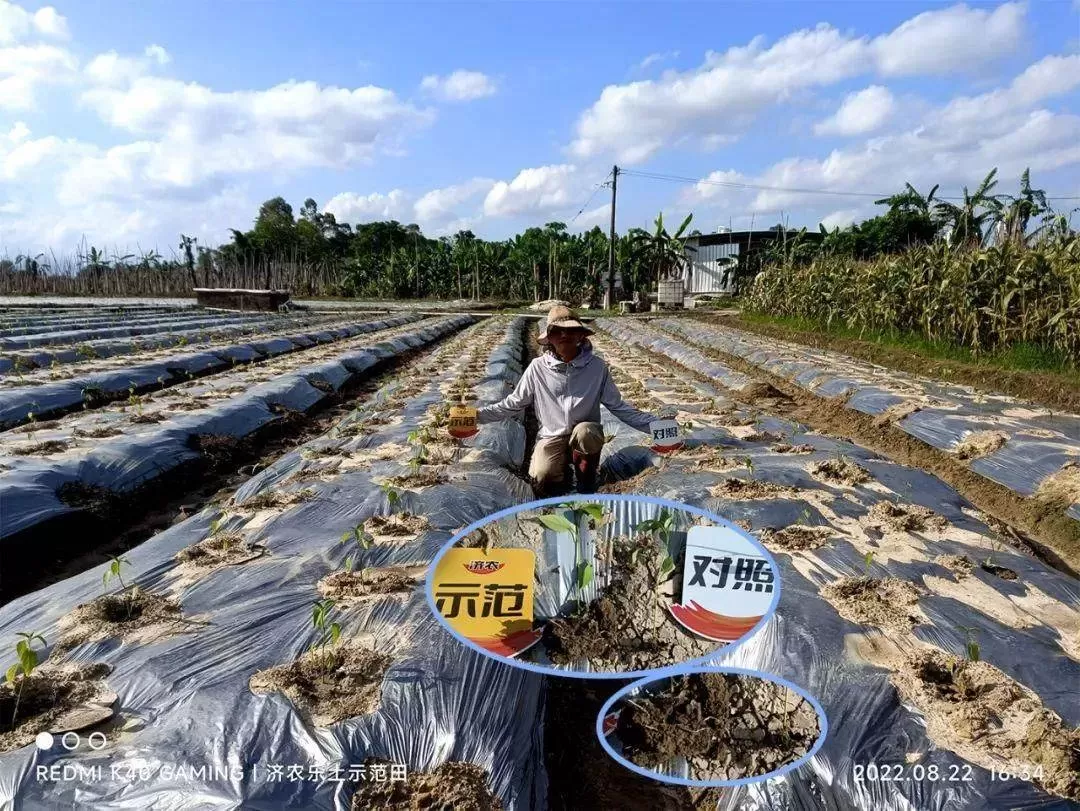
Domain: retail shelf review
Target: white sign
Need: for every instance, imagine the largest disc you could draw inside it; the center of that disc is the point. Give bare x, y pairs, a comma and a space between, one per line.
727, 584
666, 435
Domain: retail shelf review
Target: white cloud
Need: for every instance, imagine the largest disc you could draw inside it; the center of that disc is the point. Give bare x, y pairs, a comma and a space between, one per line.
950, 40
353, 208
726, 93
461, 85
24, 67
16, 23
954, 144
657, 58
842, 218
861, 112
534, 191
439, 206
193, 134
113, 70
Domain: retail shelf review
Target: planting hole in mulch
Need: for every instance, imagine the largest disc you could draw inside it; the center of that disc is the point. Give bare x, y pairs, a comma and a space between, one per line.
840, 471
888, 603
222, 549
149, 418
53, 699
370, 582
959, 565
275, 499
141, 618
785, 447
426, 476
727, 726
46, 425
906, 517
397, 527
329, 685
46, 448
981, 714
453, 786
760, 390
96, 433
748, 489
796, 538
628, 626
980, 443
1003, 572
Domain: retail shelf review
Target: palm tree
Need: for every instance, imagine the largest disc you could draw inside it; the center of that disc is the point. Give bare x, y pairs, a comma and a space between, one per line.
909, 200
967, 220
662, 253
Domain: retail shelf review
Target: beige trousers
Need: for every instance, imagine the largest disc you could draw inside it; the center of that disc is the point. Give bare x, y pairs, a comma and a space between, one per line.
551, 454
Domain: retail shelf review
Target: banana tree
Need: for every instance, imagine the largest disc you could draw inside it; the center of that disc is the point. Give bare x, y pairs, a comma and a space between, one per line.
1021, 210
662, 253
966, 222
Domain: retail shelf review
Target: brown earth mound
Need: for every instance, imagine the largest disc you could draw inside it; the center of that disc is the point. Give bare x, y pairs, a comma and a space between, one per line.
53, 699
980, 443
888, 603
726, 725
329, 685
796, 538
840, 471
454, 785
223, 549
960, 565
906, 517
133, 616
359, 584
398, 526
975, 710
748, 489
784, 447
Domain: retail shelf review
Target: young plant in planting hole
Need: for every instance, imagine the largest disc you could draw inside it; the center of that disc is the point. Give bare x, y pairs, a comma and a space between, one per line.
115, 566
868, 560
662, 526
363, 540
748, 461
971, 645
328, 632
393, 497
27, 662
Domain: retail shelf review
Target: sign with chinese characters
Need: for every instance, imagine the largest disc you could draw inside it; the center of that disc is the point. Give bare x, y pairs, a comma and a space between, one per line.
727, 584
666, 436
488, 598
462, 422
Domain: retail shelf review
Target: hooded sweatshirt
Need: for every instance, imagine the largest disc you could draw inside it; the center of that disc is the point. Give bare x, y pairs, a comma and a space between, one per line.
565, 394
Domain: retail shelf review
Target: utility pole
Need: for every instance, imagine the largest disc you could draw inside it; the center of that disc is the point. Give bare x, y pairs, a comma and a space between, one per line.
610, 298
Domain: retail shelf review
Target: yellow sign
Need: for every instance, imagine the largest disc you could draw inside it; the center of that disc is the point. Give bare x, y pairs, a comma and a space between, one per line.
488, 598
462, 422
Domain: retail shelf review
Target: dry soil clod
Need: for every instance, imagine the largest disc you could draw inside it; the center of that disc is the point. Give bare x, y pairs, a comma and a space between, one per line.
54, 698
727, 726
453, 785
888, 603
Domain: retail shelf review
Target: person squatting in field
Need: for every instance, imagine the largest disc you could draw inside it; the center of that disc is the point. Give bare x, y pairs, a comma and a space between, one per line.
566, 386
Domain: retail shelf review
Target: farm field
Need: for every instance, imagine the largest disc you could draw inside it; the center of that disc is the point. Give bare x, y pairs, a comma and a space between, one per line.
927, 535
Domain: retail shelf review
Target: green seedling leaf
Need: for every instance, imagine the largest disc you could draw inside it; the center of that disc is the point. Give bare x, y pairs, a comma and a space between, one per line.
667, 566
593, 510
558, 523
585, 575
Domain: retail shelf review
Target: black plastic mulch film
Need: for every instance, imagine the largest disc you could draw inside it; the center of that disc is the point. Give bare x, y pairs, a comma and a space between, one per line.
188, 694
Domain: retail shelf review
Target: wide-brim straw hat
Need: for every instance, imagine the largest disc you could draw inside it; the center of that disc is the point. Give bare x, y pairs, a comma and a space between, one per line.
562, 318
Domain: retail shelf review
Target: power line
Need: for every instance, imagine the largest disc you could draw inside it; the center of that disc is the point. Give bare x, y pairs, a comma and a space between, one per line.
603, 185
730, 184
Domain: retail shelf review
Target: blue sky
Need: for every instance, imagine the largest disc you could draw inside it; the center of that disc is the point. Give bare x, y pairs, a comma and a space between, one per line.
126, 123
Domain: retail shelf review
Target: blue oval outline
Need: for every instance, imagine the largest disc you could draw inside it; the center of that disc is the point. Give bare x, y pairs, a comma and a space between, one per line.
604, 674
823, 733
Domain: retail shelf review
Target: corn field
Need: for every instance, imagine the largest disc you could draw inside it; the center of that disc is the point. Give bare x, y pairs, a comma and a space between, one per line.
985, 300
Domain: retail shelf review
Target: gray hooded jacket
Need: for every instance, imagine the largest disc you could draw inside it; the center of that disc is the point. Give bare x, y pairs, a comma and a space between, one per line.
566, 394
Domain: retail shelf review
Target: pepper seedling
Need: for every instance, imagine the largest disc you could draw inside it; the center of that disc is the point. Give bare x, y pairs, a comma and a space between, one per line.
363, 539
27, 662
393, 497
328, 632
115, 566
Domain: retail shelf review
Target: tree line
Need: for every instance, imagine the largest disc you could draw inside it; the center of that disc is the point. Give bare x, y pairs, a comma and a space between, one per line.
312, 254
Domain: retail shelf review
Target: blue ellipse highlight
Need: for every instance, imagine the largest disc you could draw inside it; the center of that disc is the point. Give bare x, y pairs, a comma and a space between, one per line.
823, 724
603, 674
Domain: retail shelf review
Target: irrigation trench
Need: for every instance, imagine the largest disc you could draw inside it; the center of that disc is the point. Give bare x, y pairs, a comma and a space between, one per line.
797, 488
